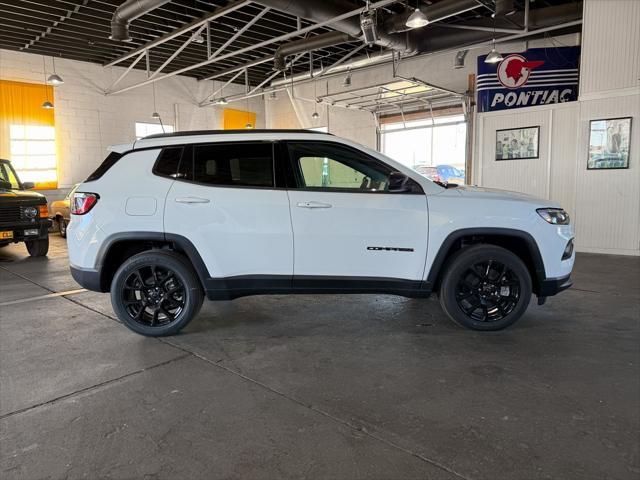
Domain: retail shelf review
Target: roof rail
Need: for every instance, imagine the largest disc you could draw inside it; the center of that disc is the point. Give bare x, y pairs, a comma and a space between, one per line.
188, 133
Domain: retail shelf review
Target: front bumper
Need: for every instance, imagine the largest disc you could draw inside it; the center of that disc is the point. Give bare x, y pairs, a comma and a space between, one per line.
552, 286
19, 235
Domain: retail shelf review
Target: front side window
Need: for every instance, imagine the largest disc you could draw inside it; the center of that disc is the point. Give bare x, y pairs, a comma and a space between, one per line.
234, 164
7, 176
328, 166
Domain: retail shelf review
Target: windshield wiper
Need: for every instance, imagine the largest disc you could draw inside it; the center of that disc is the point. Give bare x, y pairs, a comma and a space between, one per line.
446, 185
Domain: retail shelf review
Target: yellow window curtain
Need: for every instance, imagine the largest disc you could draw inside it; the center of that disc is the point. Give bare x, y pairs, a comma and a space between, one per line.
27, 131
238, 119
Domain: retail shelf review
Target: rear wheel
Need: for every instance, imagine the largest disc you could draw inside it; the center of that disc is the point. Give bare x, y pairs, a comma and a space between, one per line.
38, 248
156, 293
485, 287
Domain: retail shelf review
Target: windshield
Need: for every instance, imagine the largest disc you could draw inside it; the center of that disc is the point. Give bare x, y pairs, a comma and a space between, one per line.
7, 176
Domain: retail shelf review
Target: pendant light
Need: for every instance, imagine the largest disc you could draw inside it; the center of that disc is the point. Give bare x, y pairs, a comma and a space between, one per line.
494, 56
47, 105
54, 79
248, 126
315, 115
417, 19
155, 113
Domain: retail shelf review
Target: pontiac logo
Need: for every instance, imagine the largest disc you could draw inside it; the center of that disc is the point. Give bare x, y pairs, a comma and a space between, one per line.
514, 71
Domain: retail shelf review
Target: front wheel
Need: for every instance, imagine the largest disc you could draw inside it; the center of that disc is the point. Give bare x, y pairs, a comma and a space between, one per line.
156, 293
485, 287
38, 248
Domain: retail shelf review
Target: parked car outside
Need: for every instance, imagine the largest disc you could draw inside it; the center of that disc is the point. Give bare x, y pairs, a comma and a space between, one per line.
24, 216
441, 173
174, 217
59, 211
450, 174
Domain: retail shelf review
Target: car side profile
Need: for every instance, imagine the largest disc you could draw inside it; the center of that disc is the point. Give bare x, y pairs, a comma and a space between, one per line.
173, 218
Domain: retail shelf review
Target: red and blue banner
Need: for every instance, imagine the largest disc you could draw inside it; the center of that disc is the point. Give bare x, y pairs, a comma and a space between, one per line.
538, 76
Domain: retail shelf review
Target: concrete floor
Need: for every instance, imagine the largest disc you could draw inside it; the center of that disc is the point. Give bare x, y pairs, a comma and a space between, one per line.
335, 387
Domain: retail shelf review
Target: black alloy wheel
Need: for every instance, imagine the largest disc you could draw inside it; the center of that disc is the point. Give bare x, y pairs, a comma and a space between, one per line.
156, 293
488, 291
485, 287
153, 296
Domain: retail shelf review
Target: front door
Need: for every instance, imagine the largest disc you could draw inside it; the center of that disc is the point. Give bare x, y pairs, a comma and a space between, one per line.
346, 223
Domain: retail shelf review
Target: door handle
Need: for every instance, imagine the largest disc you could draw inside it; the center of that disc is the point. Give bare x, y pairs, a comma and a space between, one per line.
314, 205
192, 200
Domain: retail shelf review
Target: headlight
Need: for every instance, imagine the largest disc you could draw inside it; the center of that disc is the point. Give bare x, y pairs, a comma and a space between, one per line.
555, 216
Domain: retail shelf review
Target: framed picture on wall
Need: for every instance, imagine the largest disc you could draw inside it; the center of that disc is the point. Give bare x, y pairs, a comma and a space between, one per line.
609, 142
518, 143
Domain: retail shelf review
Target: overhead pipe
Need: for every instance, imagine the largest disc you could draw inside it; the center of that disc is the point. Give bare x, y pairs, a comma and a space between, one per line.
323, 10
323, 40
128, 11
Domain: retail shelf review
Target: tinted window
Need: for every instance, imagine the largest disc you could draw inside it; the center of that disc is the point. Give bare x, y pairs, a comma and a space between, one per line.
108, 162
322, 165
238, 164
168, 162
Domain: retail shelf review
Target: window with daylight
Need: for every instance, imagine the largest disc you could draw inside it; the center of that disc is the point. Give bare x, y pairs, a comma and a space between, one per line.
423, 143
27, 132
33, 154
144, 129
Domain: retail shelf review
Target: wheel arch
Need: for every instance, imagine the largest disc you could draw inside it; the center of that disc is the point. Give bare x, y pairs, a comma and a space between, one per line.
117, 248
519, 242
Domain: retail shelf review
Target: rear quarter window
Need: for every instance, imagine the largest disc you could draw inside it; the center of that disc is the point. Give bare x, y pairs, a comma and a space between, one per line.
108, 162
168, 162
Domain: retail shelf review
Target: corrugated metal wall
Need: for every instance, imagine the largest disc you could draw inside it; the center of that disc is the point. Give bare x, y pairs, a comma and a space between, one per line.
605, 204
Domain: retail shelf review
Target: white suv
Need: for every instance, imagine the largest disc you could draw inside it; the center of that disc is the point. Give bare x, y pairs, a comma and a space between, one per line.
172, 218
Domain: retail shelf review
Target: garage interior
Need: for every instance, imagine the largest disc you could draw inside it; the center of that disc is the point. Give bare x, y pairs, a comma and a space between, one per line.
326, 386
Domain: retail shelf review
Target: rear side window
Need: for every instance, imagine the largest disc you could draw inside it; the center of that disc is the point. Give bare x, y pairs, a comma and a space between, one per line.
234, 164
108, 162
168, 162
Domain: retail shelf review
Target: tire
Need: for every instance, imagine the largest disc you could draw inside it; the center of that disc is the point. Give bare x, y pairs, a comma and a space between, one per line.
485, 287
62, 226
156, 293
38, 248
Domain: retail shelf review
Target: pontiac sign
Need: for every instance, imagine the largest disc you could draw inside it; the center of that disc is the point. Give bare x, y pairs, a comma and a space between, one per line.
539, 76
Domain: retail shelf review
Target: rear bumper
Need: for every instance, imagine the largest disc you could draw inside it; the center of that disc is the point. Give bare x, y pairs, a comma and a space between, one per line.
553, 286
89, 279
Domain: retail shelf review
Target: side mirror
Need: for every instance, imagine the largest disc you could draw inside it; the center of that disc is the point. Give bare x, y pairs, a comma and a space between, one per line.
399, 183
28, 185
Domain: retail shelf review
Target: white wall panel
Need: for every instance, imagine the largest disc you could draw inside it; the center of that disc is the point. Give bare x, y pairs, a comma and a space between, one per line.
527, 176
608, 201
610, 46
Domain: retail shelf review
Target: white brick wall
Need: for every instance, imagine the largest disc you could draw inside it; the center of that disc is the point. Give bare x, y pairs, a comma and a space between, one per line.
87, 121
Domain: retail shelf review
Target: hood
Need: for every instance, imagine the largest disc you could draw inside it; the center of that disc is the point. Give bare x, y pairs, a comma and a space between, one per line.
15, 196
480, 193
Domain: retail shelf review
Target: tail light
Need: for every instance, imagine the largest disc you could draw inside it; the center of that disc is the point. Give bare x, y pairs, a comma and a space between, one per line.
82, 203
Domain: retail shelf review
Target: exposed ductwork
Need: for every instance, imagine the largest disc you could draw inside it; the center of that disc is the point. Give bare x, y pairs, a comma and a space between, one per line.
130, 10
323, 10
393, 33
316, 42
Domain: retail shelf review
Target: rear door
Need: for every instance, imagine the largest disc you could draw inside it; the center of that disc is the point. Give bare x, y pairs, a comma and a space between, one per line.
346, 223
226, 202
